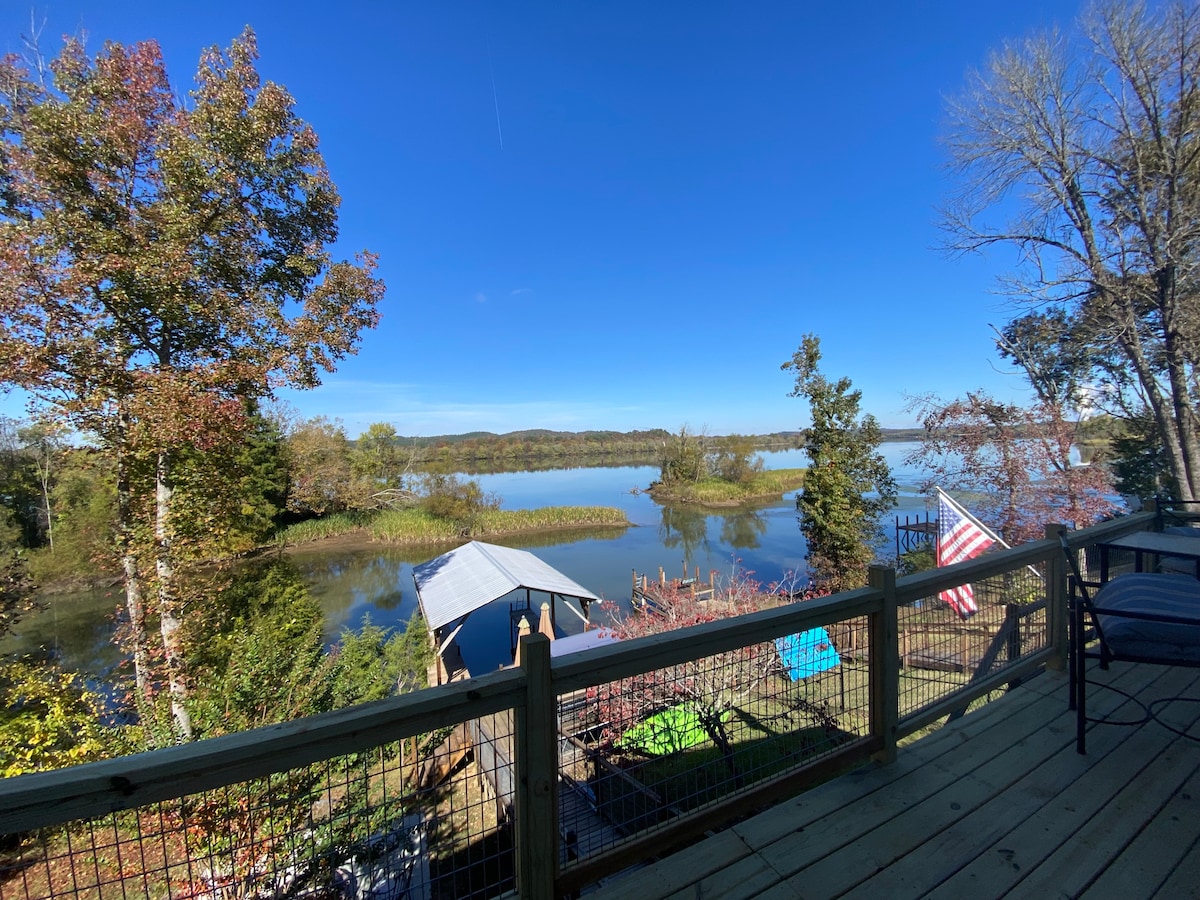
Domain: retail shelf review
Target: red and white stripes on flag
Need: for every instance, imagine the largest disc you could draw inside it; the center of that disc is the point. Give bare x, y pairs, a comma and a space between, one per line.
959, 539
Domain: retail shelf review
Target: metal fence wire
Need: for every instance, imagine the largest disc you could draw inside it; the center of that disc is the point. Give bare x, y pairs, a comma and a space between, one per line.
418, 818
942, 652
651, 740
638, 753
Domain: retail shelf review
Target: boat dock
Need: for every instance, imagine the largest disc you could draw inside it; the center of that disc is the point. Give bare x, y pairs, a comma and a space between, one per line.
646, 593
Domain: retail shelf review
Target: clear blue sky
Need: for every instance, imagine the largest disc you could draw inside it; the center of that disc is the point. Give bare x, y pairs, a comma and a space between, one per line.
674, 193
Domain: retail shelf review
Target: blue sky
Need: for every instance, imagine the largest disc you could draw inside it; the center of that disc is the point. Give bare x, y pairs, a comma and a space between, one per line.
640, 221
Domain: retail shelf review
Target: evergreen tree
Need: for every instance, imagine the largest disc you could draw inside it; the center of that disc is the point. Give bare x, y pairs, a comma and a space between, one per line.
848, 484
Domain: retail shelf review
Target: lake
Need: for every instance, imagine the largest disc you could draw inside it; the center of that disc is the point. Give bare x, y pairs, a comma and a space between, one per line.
375, 580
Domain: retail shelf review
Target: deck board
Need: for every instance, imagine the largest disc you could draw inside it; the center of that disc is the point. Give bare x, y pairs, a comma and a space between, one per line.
995, 804
1029, 841
1157, 851
984, 831
1184, 879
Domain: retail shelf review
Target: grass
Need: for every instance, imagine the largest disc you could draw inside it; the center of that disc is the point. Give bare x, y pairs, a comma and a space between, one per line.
415, 526
715, 492
547, 518
771, 733
412, 526
332, 525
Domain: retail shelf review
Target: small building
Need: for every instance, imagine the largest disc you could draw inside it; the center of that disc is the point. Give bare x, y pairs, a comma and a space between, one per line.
468, 578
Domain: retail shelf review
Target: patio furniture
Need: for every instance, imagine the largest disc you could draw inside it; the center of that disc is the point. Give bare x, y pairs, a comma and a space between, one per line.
1138, 617
1177, 549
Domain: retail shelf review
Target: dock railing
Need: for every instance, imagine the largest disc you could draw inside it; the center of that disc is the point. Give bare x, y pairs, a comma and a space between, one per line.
621, 752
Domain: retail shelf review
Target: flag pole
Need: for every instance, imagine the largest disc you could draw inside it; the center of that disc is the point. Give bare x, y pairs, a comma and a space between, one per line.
970, 518
974, 521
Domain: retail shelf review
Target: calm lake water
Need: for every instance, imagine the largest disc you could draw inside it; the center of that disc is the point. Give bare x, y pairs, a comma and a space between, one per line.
375, 581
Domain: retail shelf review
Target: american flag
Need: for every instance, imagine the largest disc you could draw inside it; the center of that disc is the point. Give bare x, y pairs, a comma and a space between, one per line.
959, 539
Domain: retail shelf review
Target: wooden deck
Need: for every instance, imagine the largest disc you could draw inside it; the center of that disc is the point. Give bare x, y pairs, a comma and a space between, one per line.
996, 804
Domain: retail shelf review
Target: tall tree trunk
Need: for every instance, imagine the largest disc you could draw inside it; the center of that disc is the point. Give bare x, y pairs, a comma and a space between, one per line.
134, 603
43, 471
1184, 413
168, 603
1166, 411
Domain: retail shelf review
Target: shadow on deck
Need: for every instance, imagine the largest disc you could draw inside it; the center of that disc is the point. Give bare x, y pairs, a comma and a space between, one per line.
995, 804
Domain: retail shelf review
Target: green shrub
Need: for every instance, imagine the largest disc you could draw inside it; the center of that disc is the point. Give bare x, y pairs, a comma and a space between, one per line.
49, 718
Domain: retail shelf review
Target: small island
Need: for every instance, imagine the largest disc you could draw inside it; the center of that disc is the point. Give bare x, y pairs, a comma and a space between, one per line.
717, 492
420, 526
718, 472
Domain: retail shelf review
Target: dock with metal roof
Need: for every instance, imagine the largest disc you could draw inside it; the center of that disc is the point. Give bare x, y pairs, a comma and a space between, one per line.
464, 580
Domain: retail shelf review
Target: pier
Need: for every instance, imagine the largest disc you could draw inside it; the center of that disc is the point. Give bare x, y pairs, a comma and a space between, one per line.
648, 594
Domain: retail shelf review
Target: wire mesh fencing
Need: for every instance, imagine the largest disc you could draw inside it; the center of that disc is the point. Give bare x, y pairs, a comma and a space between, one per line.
647, 736
418, 818
943, 652
642, 752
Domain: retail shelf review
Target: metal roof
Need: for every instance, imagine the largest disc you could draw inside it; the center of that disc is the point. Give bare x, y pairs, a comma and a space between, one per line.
584, 640
470, 577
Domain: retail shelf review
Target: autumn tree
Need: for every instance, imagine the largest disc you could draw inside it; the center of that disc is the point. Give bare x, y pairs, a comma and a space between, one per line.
734, 459
848, 485
318, 460
1015, 460
380, 467
683, 458
20, 524
1080, 151
163, 259
85, 510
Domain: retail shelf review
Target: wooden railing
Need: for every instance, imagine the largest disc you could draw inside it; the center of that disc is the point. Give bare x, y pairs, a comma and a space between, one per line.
534, 691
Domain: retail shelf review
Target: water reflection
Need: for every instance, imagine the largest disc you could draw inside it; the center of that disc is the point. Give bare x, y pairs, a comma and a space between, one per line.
743, 529
74, 629
355, 581
685, 528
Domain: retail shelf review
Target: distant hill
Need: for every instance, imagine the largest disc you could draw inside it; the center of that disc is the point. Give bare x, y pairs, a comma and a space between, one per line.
536, 436
547, 436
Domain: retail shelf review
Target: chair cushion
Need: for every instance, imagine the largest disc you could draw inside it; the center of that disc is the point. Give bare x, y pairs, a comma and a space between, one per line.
1157, 594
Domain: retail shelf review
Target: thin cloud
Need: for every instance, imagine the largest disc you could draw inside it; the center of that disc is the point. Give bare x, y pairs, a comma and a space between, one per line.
519, 291
481, 297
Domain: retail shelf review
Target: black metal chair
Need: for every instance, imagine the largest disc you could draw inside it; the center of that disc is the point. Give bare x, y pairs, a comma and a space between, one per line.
1137, 617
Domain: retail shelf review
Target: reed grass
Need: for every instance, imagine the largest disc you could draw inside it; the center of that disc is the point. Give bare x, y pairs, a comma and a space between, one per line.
546, 518
414, 526
332, 525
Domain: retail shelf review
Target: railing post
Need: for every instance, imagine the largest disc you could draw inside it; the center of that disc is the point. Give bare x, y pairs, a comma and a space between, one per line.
536, 740
1056, 601
1011, 628
885, 664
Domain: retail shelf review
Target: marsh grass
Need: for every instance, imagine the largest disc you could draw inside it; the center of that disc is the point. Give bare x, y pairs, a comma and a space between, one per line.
412, 526
716, 492
332, 525
547, 518
416, 526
